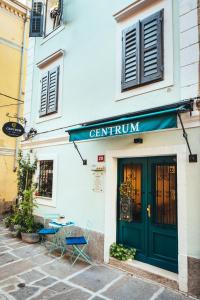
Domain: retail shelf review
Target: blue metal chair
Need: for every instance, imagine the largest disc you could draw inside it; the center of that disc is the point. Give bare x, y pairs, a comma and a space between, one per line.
79, 244
46, 231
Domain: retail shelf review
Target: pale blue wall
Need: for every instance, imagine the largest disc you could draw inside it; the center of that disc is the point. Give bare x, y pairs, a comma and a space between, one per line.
89, 81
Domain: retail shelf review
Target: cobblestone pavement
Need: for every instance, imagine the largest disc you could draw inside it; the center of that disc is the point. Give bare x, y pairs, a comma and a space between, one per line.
27, 272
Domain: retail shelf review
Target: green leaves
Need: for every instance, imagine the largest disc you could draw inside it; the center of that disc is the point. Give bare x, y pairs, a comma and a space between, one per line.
120, 252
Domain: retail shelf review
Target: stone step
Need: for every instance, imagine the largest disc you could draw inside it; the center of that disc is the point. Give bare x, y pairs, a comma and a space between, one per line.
142, 270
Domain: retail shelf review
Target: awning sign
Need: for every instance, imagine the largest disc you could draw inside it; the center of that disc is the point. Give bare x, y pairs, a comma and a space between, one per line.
123, 127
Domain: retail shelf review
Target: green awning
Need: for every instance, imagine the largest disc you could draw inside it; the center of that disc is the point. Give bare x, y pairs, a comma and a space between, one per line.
157, 120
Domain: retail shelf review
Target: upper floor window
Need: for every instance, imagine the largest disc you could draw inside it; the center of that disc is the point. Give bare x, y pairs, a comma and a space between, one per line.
46, 16
49, 92
142, 52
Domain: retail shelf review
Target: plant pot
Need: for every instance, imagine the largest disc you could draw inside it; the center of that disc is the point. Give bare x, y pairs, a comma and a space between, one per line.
30, 238
11, 227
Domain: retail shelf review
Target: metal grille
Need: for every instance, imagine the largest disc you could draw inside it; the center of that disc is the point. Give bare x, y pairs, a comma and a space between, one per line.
46, 178
132, 177
165, 212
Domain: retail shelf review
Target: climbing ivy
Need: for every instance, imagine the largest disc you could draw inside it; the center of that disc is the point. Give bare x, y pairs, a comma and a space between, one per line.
25, 172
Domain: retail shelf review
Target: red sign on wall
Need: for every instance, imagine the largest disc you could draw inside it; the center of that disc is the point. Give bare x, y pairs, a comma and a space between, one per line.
101, 158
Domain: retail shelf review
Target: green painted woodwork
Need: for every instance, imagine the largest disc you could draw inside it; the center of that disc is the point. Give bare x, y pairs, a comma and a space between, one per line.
154, 237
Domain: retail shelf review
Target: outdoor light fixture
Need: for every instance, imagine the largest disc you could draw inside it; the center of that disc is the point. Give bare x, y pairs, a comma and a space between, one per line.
138, 141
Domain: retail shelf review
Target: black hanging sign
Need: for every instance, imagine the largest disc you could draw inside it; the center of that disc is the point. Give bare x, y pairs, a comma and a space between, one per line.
13, 129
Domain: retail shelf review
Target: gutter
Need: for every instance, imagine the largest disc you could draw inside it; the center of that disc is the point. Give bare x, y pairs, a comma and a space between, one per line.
20, 92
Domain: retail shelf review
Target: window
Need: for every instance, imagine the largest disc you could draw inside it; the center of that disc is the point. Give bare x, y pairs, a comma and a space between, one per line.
49, 92
52, 12
53, 15
142, 52
45, 178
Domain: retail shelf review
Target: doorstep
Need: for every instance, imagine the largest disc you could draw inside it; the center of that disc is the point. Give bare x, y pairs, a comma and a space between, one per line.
142, 270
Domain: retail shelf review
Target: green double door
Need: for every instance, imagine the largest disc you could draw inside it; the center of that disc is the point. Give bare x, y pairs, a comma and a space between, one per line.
147, 209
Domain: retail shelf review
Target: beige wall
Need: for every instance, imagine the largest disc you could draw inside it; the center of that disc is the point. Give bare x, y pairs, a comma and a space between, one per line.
12, 24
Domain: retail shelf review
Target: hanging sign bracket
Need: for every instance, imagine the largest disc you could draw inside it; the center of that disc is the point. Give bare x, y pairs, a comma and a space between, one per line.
192, 157
83, 160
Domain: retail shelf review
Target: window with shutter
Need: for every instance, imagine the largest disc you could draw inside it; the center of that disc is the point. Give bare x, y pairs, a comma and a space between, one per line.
53, 90
142, 52
36, 21
49, 92
130, 57
44, 95
152, 48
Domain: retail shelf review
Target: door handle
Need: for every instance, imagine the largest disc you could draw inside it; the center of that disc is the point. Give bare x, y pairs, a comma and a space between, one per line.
149, 210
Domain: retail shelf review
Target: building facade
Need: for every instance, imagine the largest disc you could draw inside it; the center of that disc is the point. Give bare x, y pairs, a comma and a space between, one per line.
13, 45
112, 91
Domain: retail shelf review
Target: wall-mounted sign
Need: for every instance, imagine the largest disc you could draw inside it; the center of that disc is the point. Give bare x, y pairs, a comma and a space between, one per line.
98, 182
101, 158
13, 129
123, 127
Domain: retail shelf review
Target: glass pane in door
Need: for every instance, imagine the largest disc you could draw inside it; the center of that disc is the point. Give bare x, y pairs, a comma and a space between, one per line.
130, 190
165, 210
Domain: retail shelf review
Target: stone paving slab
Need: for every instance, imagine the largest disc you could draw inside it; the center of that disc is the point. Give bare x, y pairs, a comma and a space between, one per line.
49, 277
24, 293
42, 259
45, 281
62, 269
73, 294
47, 294
4, 249
16, 268
96, 278
169, 295
31, 276
6, 258
131, 289
28, 251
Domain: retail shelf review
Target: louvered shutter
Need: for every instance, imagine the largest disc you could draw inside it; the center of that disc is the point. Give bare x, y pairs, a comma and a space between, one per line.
44, 95
130, 57
53, 90
36, 21
152, 48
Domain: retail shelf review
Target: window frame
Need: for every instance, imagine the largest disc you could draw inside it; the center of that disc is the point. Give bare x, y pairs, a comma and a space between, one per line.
48, 73
45, 35
40, 177
124, 18
48, 63
138, 26
41, 200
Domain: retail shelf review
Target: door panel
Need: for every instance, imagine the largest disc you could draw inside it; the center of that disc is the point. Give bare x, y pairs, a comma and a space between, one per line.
131, 223
162, 229
147, 209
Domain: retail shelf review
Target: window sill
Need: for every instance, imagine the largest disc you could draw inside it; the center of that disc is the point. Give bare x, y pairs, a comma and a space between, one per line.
143, 90
52, 34
48, 118
45, 201
43, 197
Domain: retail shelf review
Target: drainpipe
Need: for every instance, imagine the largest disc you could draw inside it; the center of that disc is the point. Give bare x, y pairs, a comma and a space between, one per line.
17, 143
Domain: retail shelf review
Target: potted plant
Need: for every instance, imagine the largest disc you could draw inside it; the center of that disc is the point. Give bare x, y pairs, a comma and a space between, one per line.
29, 228
23, 217
120, 252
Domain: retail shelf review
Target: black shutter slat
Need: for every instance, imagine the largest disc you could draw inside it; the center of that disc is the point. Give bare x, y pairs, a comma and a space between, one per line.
53, 90
152, 48
36, 20
44, 95
130, 57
